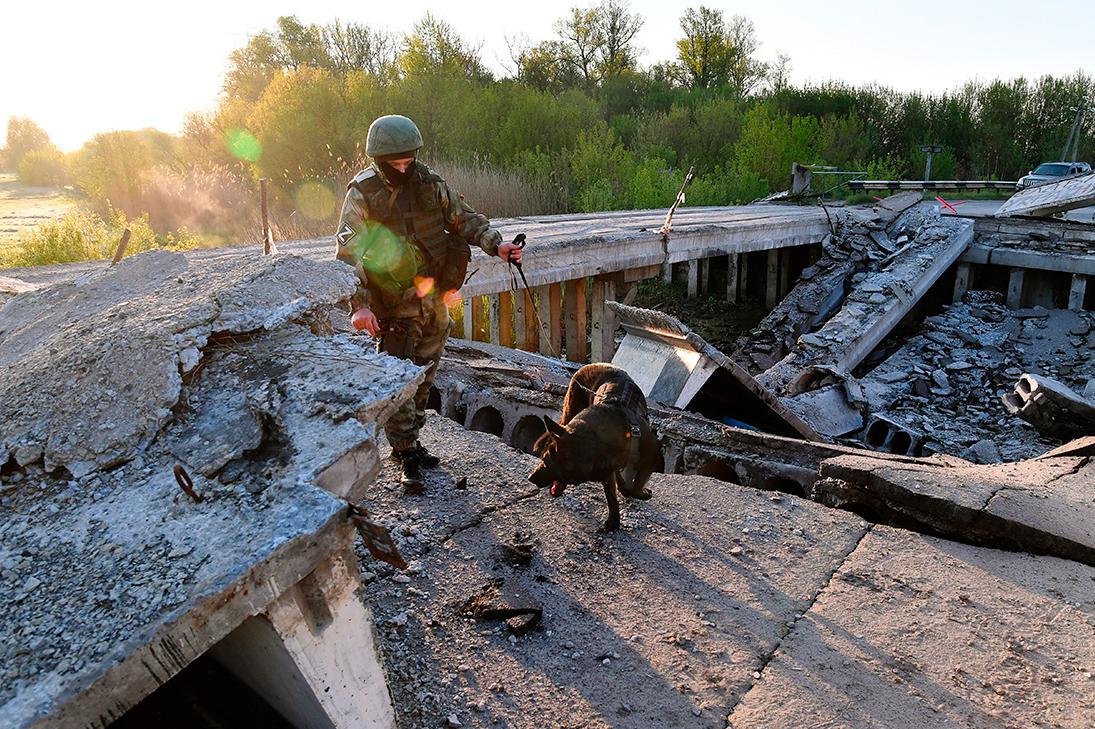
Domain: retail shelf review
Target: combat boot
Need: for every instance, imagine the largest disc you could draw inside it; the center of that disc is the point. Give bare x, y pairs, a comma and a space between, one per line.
425, 458
410, 467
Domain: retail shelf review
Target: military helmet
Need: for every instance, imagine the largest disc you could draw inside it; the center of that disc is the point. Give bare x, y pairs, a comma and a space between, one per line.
391, 137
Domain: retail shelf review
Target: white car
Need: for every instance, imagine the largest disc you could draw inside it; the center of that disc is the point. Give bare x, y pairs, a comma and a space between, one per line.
1051, 172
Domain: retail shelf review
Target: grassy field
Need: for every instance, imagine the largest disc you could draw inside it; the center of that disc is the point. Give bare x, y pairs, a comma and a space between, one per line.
22, 208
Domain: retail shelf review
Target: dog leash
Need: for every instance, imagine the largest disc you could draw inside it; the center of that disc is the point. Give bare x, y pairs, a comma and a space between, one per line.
520, 240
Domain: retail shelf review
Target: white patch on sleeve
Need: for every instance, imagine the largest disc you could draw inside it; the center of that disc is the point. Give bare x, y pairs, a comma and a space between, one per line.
344, 234
364, 175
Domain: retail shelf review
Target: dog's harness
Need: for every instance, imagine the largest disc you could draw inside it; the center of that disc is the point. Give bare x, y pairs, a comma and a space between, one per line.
627, 396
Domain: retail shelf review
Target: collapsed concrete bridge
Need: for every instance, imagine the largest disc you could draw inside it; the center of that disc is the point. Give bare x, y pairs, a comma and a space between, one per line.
773, 580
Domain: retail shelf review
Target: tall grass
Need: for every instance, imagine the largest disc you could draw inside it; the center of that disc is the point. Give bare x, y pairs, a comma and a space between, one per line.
83, 235
218, 206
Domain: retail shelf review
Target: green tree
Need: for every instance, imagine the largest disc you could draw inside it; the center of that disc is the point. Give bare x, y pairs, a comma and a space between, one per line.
582, 40
355, 47
303, 125
435, 47
112, 168
704, 51
618, 28
544, 67
291, 46
24, 136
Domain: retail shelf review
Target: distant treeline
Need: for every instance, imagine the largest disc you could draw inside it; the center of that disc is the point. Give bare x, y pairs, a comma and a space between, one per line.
576, 124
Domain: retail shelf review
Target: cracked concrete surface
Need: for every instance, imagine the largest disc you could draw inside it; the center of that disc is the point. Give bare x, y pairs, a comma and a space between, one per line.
917, 631
661, 624
715, 606
113, 579
1045, 505
78, 396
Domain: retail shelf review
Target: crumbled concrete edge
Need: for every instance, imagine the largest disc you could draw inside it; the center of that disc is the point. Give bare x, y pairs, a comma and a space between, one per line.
106, 399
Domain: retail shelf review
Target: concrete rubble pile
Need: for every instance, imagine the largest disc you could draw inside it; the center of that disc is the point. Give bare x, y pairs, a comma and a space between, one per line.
178, 441
947, 384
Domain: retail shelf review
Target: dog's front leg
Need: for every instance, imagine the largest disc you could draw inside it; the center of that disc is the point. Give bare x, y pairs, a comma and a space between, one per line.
613, 522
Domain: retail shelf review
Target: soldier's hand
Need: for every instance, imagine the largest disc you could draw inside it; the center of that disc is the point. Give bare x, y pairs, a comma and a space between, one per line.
509, 252
364, 318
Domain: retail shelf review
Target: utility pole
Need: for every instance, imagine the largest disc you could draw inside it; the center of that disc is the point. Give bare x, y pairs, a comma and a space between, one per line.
1075, 131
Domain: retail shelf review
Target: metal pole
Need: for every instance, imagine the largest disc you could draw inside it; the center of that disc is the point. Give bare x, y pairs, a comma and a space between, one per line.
119, 252
1079, 130
928, 167
1075, 124
268, 246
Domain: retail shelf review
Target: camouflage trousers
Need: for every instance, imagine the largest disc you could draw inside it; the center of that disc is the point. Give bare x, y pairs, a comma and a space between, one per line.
422, 345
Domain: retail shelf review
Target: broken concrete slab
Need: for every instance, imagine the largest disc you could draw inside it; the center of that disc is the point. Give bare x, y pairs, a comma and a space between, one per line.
915, 631
1051, 198
268, 414
661, 624
1051, 407
1044, 505
114, 585
827, 410
675, 366
865, 318
79, 395
857, 240
518, 389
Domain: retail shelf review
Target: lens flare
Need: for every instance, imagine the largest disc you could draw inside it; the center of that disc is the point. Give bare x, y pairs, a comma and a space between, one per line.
423, 285
315, 201
243, 145
391, 263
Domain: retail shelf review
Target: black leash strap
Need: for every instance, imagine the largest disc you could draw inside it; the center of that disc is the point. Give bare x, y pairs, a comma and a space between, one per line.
520, 240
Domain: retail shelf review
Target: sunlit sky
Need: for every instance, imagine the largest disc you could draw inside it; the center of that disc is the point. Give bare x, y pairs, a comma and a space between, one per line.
78, 68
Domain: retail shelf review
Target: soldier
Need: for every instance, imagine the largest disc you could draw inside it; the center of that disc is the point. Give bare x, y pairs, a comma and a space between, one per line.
407, 235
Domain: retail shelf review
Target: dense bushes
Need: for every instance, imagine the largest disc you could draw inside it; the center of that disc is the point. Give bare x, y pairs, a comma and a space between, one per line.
42, 168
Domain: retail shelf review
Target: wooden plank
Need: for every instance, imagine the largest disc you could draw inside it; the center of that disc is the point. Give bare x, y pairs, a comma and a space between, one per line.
603, 327
961, 281
576, 330
528, 329
495, 333
693, 278
667, 272
466, 319
478, 319
1077, 292
771, 287
1015, 288
732, 263
705, 275
642, 273
506, 334
784, 272
551, 309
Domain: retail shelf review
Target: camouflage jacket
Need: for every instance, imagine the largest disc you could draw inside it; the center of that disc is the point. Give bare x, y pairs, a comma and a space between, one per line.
397, 238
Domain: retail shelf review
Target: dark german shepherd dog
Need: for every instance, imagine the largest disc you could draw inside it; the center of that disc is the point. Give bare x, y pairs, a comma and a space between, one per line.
604, 436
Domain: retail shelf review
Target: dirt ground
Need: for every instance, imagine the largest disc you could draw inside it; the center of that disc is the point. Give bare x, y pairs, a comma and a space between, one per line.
23, 208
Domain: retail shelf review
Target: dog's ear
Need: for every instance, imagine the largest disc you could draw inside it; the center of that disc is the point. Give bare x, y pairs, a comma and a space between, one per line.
554, 428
